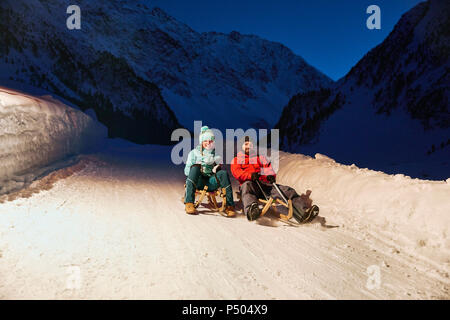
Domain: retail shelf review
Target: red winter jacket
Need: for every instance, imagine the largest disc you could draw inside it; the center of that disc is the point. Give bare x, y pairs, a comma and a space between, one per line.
244, 165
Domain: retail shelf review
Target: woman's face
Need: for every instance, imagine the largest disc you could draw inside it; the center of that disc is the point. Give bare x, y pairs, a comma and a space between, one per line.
208, 144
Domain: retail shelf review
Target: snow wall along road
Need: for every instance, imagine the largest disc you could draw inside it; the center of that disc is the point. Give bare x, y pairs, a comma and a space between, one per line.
414, 212
36, 133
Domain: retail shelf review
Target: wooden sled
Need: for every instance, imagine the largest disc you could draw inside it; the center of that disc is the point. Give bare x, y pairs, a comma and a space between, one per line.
312, 212
211, 196
274, 203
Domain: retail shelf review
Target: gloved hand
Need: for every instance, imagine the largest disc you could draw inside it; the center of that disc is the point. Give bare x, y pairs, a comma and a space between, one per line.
271, 179
255, 176
216, 168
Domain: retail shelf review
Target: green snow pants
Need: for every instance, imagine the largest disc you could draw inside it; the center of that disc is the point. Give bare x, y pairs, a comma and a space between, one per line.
197, 181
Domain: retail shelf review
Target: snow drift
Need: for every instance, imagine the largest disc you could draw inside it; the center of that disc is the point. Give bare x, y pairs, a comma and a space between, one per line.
411, 211
37, 132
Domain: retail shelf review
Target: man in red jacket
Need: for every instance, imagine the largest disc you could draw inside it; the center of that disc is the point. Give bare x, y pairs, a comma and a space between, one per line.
247, 167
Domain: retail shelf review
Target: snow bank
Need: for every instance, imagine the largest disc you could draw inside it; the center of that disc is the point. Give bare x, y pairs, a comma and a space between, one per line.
408, 209
38, 132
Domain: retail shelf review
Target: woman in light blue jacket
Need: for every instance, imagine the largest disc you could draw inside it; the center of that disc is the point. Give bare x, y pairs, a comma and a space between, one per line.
202, 169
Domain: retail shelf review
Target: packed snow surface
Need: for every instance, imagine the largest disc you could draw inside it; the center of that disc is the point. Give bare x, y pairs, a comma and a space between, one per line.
116, 228
37, 132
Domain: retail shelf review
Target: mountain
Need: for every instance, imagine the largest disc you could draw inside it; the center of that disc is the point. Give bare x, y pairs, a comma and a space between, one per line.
144, 72
391, 111
36, 48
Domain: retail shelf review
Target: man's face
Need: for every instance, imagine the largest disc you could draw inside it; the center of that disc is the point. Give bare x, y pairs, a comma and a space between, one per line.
247, 146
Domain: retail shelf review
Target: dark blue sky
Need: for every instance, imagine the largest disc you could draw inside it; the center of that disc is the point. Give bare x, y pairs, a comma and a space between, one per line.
331, 35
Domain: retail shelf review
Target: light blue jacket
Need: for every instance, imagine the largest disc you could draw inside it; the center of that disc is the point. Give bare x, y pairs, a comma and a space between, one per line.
207, 159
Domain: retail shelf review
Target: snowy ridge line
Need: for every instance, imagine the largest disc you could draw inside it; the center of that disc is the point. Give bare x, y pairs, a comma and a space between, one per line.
36, 133
211, 72
412, 210
391, 111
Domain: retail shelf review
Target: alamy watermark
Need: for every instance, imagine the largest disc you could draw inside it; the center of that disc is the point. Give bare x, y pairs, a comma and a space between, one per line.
374, 20
73, 22
73, 280
373, 277
233, 138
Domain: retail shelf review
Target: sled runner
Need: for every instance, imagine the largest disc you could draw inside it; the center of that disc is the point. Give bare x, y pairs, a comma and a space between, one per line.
273, 203
301, 215
211, 196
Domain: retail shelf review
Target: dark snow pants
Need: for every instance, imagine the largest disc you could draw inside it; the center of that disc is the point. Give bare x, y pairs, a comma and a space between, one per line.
197, 180
250, 193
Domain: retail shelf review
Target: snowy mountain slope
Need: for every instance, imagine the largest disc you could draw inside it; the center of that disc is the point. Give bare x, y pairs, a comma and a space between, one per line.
37, 132
227, 80
120, 225
391, 109
47, 55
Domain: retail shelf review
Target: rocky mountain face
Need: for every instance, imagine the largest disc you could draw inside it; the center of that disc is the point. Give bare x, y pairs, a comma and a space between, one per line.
392, 106
34, 51
144, 72
410, 69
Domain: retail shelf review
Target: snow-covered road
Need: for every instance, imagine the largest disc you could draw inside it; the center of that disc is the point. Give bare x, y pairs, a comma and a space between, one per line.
117, 229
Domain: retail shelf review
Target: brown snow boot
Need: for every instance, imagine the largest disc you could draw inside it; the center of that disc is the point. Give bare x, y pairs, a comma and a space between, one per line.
190, 209
229, 210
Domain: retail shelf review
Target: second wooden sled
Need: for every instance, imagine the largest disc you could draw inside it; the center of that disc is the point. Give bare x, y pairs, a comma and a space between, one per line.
273, 203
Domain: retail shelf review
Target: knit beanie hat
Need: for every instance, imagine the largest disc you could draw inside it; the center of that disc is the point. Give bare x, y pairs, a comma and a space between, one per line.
206, 134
